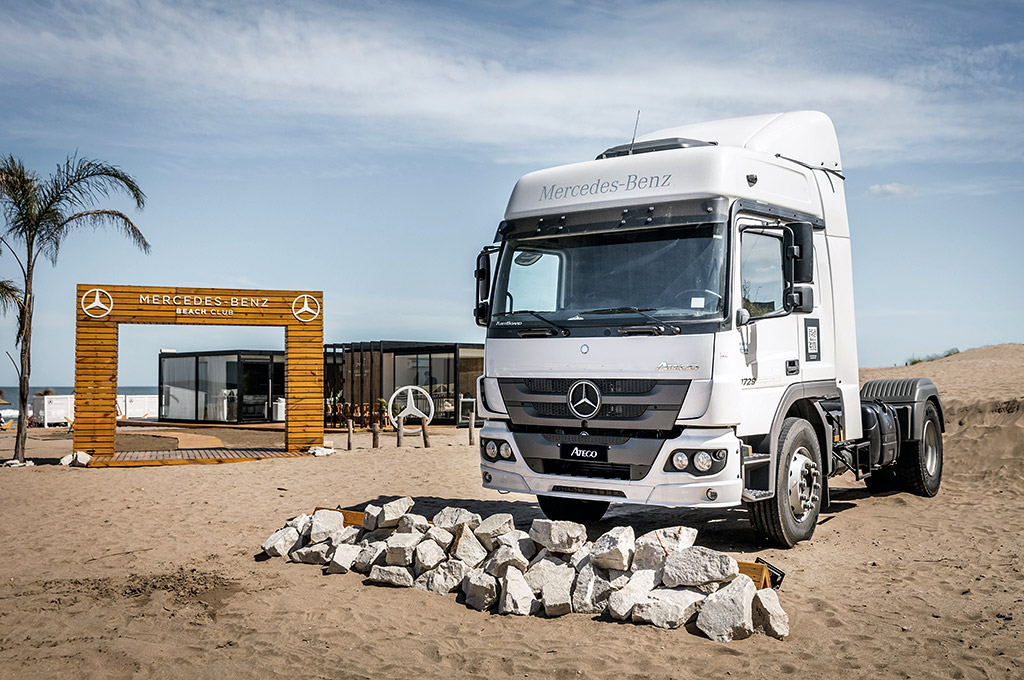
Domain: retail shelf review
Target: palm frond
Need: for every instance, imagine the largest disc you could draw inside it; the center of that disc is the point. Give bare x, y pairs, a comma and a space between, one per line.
10, 295
96, 219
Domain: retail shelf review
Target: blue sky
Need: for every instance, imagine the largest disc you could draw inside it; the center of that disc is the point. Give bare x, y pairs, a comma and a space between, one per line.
368, 149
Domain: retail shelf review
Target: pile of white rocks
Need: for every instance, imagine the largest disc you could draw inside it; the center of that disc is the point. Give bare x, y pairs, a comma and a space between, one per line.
660, 578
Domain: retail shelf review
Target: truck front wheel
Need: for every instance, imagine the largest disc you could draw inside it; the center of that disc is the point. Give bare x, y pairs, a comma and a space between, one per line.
919, 468
572, 509
790, 516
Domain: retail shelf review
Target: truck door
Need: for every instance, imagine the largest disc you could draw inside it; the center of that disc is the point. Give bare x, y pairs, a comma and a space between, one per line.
770, 341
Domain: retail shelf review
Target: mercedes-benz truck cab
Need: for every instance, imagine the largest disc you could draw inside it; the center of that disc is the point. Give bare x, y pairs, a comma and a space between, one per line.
672, 324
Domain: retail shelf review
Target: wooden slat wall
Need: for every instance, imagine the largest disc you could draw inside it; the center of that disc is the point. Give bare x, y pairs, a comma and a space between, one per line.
96, 351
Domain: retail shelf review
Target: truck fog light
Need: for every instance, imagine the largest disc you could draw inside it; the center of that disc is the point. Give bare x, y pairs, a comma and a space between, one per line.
718, 455
491, 449
487, 478
505, 450
680, 460
711, 494
702, 461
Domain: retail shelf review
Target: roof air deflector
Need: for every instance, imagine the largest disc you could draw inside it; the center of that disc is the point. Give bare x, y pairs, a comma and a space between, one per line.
653, 145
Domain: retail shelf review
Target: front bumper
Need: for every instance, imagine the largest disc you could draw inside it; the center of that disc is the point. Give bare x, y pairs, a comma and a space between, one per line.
657, 487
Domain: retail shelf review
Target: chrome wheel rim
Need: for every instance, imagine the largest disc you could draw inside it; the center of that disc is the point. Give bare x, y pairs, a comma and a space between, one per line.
804, 484
931, 449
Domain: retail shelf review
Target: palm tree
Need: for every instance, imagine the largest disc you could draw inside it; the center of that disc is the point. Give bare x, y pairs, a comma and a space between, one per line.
39, 215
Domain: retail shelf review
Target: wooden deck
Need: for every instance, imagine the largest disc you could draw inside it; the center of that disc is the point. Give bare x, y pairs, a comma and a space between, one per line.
189, 457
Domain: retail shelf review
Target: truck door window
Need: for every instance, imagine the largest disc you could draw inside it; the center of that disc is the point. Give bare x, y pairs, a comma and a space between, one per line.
761, 276
532, 282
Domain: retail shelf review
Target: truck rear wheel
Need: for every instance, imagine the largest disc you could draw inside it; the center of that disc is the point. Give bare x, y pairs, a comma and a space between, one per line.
572, 509
790, 516
919, 468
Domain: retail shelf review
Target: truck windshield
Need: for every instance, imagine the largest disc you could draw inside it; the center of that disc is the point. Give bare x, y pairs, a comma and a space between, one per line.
674, 274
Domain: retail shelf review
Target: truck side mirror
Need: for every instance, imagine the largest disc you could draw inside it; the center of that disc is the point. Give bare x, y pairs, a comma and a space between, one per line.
802, 251
742, 317
800, 299
482, 311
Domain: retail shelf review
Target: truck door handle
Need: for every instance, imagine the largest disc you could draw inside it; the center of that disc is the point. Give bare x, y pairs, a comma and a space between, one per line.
792, 366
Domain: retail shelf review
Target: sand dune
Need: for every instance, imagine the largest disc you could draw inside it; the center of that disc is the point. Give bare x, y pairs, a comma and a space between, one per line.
150, 572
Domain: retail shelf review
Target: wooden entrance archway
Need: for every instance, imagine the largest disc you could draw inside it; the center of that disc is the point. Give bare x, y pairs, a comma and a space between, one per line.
101, 309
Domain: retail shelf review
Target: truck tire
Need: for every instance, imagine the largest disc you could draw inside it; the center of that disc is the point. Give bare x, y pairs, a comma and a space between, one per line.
919, 468
572, 509
790, 516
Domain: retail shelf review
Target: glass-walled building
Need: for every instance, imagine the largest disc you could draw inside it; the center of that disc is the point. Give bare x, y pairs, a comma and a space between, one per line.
247, 386
360, 377
230, 386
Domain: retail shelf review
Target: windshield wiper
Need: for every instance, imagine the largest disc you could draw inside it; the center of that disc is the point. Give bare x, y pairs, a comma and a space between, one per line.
564, 332
636, 310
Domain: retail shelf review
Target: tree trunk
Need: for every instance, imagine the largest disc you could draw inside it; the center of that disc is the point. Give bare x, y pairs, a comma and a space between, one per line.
26, 368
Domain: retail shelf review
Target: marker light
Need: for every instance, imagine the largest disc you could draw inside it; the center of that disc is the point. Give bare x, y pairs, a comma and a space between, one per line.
491, 449
505, 450
679, 460
702, 461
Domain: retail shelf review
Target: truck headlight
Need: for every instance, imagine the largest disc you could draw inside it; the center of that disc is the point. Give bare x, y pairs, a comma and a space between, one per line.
680, 460
702, 461
505, 450
491, 450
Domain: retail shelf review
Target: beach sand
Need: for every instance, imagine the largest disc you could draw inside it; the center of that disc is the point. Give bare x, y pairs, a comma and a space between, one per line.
153, 572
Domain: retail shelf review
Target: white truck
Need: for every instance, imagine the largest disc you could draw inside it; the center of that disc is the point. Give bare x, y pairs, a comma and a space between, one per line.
672, 324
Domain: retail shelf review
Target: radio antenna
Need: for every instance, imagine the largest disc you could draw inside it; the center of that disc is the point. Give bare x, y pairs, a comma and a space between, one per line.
635, 126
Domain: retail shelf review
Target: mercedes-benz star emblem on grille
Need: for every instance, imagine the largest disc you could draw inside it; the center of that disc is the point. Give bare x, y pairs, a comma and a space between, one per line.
306, 313
584, 399
97, 303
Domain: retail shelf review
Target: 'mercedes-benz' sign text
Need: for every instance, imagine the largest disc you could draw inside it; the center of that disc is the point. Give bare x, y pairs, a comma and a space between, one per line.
557, 192
197, 305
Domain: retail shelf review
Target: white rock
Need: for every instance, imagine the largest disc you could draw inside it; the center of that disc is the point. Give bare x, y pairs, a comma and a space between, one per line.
392, 576
696, 566
304, 523
412, 524
614, 549
617, 579
466, 547
504, 557
318, 553
480, 589
520, 538
449, 518
78, 459
544, 567
442, 537
558, 536
281, 542
726, 614
324, 524
320, 451
516, 595
445, 578
592, 589
556, 595
393, 511
653, 547
768, 616
401, 549
344, 557
577, 558
370, 556
666, 608
66, 460
492, 527
377, 535
639, 587
347, 535
371, 515
428, 556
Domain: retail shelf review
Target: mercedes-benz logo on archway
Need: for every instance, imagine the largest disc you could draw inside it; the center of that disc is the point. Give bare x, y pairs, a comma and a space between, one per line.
584, 399
97, 303
309, 310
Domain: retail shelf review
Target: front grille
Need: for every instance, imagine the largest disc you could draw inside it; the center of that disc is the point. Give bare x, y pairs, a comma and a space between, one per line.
559, 409
602, 440
581, 469
593, 492
606, 385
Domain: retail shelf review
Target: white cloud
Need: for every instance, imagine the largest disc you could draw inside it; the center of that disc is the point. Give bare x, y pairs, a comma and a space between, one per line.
892, 189
304, 77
